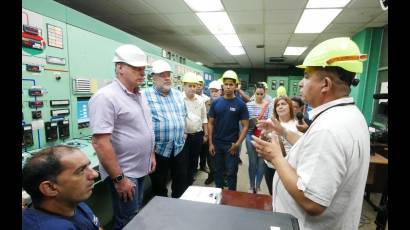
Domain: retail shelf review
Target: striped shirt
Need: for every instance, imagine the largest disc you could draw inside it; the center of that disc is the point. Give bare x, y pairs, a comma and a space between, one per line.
168, 116
254, 110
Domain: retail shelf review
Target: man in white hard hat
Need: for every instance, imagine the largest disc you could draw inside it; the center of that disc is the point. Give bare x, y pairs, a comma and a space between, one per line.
123, 136
168, 115
215, 91
202, 156
322, 179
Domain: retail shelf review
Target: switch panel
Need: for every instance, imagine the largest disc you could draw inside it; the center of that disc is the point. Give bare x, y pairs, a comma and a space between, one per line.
57, 103
27, 135
63, 129
59, 112
35, 104
35, 92
36, 114
51, 131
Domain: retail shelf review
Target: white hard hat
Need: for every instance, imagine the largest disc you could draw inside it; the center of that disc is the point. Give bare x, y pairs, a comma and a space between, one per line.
200, 78
215, 85
130, 54
160, 66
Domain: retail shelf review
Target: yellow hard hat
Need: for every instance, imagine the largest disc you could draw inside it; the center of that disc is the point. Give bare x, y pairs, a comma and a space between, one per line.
190, 77
281, 91
230, 74
341, 52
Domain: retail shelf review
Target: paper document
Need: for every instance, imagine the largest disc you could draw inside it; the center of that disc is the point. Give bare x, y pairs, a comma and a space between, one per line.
203, 194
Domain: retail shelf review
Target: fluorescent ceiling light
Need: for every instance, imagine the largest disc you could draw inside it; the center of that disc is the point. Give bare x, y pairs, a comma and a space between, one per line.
327, 3
316, 20
217, 22
205, 6
229, 39
199, 63
294, 50
235, 50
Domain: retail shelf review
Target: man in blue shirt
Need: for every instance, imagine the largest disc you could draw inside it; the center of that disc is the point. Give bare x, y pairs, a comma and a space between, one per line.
59, 179
168, 117
224, 135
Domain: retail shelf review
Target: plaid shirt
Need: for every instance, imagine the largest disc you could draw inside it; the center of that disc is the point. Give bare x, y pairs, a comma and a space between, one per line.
168, 117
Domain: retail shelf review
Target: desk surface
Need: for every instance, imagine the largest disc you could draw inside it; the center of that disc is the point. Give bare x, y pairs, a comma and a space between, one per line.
165, 213
246, 200
378, 159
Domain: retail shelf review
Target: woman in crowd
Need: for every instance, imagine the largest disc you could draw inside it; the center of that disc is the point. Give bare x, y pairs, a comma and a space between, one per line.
285, 121
259, 109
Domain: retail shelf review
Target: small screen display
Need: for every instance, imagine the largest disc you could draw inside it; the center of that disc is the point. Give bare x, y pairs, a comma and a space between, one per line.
82, 109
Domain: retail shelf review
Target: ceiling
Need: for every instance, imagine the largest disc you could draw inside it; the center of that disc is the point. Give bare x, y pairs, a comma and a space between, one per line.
172, 25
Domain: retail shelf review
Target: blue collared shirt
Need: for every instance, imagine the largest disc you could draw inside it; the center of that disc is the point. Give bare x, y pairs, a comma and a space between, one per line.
168, 116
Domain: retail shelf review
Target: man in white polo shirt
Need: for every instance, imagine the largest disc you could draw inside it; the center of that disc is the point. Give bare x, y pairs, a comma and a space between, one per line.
322, 179
196, 123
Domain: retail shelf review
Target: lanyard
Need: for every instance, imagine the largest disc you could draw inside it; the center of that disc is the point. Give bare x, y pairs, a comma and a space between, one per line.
342, 104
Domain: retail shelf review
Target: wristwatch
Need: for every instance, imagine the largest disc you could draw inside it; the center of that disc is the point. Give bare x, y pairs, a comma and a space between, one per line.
118, 179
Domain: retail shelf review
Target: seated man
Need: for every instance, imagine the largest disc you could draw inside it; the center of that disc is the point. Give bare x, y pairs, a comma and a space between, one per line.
59, 179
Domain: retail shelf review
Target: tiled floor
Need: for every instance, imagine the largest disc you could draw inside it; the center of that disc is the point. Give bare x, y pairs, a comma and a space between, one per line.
368, 213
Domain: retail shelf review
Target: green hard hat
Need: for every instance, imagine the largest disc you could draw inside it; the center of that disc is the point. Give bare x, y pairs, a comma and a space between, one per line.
341, 52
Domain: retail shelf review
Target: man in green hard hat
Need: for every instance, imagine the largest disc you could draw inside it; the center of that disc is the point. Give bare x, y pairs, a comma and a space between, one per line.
321, 181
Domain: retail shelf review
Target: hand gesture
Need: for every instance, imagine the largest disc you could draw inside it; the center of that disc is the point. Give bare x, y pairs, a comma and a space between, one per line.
268, 150
270, 125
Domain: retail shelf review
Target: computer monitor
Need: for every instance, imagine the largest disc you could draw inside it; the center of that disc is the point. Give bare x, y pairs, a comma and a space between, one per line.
82, 110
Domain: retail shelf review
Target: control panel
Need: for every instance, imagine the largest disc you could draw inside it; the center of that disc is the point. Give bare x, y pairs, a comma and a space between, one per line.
63, 129
27, 132
51, 131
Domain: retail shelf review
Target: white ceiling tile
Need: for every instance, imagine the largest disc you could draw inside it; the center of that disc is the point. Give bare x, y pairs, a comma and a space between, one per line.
283, 16
275, 50
285, 5
247, 29
279, 28
307, 38
246, 17
168, 7
363, 4
382, 17
243, 60
324, 36
254, 53
251, 39
183, 19
192, 30
149, 20
277, 38
347, 28
376, 24
362, 15
171, 24
239, 5
134, 6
